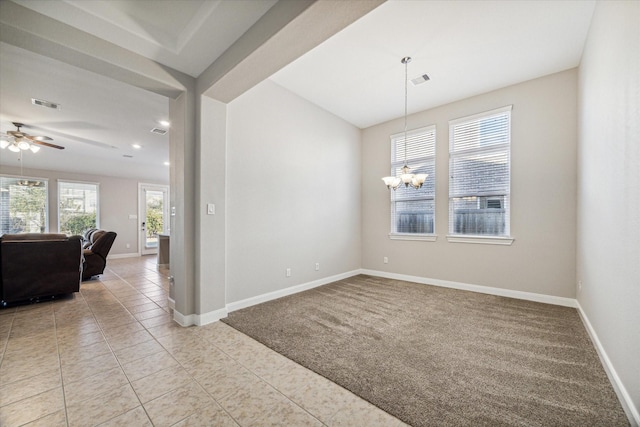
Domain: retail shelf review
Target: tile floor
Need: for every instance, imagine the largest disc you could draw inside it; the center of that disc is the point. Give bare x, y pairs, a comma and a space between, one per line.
110, 355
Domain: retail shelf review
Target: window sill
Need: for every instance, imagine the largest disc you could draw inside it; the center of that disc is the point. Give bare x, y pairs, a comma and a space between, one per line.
411, 236
484, 240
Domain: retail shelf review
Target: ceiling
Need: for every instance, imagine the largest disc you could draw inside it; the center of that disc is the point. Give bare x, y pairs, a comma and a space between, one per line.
466, 47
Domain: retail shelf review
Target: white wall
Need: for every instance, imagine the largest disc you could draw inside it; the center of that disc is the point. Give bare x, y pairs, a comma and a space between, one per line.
293, 192
543, 187
608, 252
118, 199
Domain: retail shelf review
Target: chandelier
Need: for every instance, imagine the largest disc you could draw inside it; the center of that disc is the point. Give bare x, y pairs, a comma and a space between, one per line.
406, 177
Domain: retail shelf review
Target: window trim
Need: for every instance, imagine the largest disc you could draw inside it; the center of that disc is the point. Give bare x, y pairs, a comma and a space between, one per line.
46, 204
59, 181
425, 237
505, 239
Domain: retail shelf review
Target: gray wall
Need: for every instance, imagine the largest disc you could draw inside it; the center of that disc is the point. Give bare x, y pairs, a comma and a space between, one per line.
543, 187
118, 199
608, 256
293, 192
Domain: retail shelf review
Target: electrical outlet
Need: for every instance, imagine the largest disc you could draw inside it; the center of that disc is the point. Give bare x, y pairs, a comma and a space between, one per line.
288, 272
579, 285
385, 260
317, 266
128, 245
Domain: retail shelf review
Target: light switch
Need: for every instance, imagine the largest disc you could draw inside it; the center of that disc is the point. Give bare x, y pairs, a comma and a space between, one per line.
211, 209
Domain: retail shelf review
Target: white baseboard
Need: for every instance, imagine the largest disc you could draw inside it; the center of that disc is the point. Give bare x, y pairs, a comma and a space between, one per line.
623, 396
529, 296
172, 303
288, 291
129, 255
199, 319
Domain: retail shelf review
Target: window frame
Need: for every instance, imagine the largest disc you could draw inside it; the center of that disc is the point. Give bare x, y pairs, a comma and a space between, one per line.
496, 239
397, 163
68, 181
46, 202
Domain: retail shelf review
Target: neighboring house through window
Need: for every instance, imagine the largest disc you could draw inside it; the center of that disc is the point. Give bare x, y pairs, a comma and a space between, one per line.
77, 207
479, 174
413, 210
23, 205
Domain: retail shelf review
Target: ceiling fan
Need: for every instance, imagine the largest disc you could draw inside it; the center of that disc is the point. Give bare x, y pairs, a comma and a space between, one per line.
16, 140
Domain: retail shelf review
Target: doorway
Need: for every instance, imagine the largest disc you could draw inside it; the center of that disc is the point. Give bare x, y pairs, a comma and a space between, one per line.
153, 216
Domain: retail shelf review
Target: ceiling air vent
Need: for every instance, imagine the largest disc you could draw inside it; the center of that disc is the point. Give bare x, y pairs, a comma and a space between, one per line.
419, 80
159, 131
43, 103
128, 156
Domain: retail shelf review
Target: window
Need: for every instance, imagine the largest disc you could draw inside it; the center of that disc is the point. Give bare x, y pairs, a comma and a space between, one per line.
412, 211
77, 207
23, 205
479, 174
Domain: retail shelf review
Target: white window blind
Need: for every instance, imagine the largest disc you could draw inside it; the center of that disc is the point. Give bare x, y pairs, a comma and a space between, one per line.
412, 211
23, 205
480, 174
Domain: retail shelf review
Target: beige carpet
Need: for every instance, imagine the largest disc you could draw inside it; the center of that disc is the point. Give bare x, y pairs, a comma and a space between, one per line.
442, 357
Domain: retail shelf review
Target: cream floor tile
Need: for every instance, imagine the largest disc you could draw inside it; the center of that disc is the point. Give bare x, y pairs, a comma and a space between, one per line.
143, 315
129, 328
212, 415
102, 408
78, 354
289, 378
32, 345
250, 403
178, 405
136, 301
223, 383
363, 413
89, 367
94, 385
165, 329
157, 321
28, 387
136, 417
31, 409
161, 382
124, 341
286, 413
72, 342
15, 367
148, 365
322, 398
143, 307
57, 419
138, 351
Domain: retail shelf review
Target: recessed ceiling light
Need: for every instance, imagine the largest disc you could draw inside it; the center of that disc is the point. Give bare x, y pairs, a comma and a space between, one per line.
136, 146
166, 163
164, 123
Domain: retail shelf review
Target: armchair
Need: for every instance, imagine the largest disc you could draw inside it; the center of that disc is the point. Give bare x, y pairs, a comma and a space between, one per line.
95, 253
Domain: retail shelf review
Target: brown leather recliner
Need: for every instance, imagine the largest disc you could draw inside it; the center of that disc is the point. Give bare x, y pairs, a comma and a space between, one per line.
34, 266
95, 254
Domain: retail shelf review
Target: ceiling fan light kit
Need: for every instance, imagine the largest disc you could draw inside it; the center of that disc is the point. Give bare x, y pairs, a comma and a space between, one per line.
16, 141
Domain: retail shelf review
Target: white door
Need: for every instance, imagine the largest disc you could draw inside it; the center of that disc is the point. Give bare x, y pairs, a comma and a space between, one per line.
153, 218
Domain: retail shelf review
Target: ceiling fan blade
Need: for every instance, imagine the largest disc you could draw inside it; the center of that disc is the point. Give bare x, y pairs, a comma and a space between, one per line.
47, 144
38, 138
